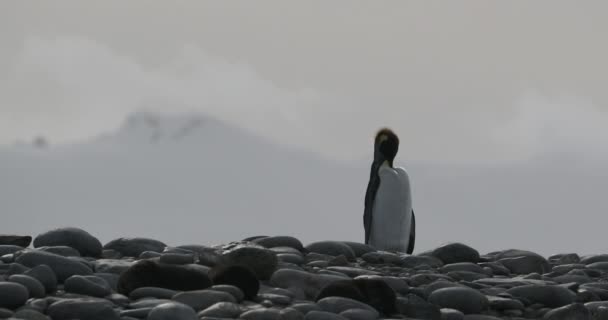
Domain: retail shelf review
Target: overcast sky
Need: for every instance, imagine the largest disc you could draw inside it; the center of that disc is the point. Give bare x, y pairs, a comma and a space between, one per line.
459, 81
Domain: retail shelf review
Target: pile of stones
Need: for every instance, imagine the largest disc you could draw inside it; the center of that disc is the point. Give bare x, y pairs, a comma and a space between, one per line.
67, 273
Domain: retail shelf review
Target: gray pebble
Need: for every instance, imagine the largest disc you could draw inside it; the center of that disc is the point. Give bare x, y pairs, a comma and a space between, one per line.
34, 287
172, 311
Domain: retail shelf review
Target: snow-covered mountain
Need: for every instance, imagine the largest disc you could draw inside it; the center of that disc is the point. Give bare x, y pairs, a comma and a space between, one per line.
194, 179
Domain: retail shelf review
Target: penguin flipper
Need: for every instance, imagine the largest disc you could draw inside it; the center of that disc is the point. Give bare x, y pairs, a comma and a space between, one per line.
370, 195
412, 242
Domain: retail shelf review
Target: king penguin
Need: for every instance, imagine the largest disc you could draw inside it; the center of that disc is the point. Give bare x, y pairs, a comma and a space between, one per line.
388, 219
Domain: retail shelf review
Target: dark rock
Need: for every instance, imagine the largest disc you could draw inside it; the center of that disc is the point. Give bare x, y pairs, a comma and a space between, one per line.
76, 238
340, 304
415, 307
456, 252
417, 261
451, 314
462, 266
261, 314
146, 273
222, 310
236, 292
464, 299
112, 265
359, 248
34, 287
523, 262
575, 311
64, 251
280, 241
594, 258
359, 314
203, 299
373, 292
172, 311
238, 276
88, 285
8, 249
30, 314
62, 267
12, 240
152, 292
12, 295
332, 248
84, 308
133, 247
45, 275
323, 315
310, 284
261, 261
550, 296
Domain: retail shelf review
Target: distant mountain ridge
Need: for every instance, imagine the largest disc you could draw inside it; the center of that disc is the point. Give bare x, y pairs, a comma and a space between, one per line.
190, 178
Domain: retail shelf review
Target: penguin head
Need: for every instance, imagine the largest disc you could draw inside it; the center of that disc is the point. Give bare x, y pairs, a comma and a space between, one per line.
386, 146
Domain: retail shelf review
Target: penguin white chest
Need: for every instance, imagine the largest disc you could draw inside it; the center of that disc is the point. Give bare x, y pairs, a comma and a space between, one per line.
392, 211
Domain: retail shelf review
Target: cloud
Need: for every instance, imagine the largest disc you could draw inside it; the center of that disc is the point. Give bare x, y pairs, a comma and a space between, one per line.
561, 125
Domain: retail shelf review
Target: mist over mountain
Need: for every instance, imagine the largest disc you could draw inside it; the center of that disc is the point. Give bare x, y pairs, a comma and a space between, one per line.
190, 178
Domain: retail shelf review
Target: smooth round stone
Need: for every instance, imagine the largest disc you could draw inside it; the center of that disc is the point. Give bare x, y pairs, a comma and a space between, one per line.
88, 285
418, 261
323, 315
523, 262
550, 296
440, 284
564, 258
261, 261
172, 311
149, 255
310, 284
306, 307
236, 292
575, 311
152, 292
12, 295
359, 314
276, 299
480, 317
34, 287
502, 303
110, 278
332, 248
16, 268
426, 278
30, 314
83, 308
62, 267
64, 251
415, 307
354, 272
451, 314
291, 314
594, 258
601, 265
463, 299
280, 241
291, 258
359, 248
5, 313
340, 304
76, 238
261, 314
381, 257
110, 254
455, 252
133, 247
9, 249
140, 313
148, 303
14, 240
462, 266
116, 266
203, 299
222, 310
118, 299
289, 250
396, 283
177, 258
